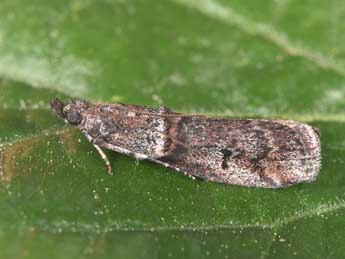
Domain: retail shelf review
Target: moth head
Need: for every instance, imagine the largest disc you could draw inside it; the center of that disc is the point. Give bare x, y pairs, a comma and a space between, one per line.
71, 112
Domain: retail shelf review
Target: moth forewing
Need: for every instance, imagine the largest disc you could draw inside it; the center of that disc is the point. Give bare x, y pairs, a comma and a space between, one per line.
259, 153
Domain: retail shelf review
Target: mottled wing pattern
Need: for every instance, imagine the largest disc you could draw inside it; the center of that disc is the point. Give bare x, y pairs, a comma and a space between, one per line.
262, 153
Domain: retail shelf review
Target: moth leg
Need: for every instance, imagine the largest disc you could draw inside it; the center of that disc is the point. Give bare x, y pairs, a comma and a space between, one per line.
137, 161
105, 158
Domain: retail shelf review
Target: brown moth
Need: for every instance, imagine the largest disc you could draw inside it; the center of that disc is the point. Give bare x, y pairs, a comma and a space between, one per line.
247, 152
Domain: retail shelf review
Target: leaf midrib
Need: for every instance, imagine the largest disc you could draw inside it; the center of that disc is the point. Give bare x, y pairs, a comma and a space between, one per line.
90, 228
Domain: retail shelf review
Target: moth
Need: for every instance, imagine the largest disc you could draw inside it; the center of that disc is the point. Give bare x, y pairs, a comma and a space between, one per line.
246, 152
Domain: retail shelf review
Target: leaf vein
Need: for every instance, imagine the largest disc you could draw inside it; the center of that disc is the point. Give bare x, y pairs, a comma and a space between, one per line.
229, 16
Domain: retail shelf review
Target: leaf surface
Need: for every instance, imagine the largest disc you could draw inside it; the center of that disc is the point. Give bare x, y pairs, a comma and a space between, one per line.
213, 57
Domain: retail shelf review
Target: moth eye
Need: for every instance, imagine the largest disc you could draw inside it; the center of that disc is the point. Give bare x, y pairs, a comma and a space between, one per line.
74, 117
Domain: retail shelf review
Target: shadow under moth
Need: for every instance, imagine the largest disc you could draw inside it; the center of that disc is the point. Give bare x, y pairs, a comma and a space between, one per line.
247, 152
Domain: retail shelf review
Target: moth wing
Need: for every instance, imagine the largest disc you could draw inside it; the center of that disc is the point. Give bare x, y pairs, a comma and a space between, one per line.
260, 153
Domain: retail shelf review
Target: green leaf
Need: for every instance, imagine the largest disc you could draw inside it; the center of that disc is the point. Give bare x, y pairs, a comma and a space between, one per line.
278, 59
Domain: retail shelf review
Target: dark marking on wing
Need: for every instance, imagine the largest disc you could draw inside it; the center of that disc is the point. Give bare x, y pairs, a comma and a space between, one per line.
229, 154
